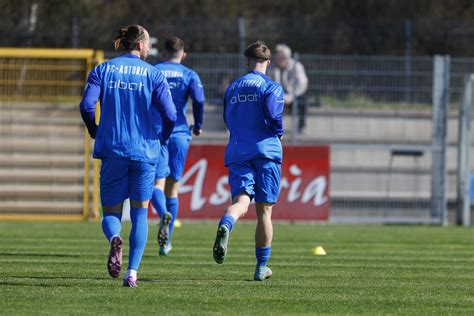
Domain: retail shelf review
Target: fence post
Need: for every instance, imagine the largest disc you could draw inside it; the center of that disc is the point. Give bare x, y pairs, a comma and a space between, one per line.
74, 32
463, 205
99, 58
242, 39
294, 111
408, 67
439, 138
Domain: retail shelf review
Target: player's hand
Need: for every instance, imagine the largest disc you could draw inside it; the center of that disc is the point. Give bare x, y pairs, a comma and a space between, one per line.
197, 132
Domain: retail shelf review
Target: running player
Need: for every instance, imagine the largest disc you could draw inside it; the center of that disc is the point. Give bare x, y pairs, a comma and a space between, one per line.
253, 107
136, 111
184, 84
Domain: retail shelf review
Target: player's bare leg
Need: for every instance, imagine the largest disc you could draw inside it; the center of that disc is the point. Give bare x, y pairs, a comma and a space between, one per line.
171, 187
160, 184
263, 240
239, 207
264, 231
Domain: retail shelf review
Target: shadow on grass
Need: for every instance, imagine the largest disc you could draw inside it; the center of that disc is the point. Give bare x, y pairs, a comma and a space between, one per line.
57, 277
149, 280
31, 254
40, 281
179, 280
6, 283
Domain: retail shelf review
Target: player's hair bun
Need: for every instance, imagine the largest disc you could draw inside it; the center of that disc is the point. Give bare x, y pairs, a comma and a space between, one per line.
123, 32
258, 50
128, 37
118, 39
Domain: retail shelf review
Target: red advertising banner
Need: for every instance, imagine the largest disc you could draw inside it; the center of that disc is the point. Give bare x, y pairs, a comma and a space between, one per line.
304, 189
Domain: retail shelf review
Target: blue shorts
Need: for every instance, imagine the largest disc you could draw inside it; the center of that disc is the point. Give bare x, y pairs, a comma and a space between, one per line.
162, 167
122, 178
259, 178
173, 157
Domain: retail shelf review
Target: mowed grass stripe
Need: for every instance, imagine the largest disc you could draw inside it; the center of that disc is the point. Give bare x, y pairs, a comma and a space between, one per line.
60, 268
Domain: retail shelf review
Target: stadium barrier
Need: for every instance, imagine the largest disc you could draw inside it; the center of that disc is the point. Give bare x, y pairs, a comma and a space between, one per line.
304, 189
44, 154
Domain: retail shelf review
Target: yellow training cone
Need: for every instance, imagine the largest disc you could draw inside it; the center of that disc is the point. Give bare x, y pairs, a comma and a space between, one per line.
318, 251
177, 223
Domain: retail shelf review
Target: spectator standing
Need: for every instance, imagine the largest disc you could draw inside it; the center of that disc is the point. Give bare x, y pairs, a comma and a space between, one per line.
290, 73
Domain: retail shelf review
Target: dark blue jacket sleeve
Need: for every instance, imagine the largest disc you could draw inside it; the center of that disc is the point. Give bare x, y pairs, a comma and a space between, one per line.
197, 95
164, 102
223, 115
273, 109
89, 101
224, 102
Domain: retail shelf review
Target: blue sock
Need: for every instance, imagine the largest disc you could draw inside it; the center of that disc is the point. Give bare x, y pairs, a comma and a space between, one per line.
227, 220
111, 224
138, 236
172, 205
262, 254
158, 200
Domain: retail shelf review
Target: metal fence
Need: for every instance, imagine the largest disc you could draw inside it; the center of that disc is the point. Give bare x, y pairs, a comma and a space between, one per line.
376, 114
344, 80
43, 173
381, 142
378, 119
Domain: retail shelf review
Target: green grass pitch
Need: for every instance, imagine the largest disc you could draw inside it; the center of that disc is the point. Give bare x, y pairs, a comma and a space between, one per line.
60, 268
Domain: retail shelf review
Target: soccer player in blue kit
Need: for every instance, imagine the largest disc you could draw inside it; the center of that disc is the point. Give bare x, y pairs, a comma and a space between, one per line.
253, 107
184, 84
137, 112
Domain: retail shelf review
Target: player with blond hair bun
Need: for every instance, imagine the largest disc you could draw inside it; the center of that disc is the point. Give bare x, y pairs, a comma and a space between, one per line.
137, 113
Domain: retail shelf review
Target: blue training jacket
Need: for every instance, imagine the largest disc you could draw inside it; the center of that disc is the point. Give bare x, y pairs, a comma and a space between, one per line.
253, 108
184, 83
137, 110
